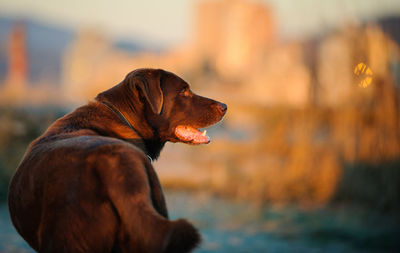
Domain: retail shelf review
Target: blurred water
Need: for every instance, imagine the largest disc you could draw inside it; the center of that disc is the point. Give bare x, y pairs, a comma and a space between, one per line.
228, 226
10, 241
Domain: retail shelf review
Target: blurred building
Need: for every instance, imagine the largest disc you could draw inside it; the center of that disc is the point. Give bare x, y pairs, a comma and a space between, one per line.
339, 53
234, 48
233, 35
23, 61
17, 64
83, 65
233, 43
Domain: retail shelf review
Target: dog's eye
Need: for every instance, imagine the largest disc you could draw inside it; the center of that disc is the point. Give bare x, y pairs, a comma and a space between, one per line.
185, 92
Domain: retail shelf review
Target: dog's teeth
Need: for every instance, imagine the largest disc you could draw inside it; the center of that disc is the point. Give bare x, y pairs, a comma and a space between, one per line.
204, 133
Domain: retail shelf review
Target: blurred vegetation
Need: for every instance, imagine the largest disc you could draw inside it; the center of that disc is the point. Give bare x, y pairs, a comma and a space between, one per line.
311, 156
19, 126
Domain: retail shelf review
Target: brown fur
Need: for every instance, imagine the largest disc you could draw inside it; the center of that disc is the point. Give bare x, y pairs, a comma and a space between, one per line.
87, 185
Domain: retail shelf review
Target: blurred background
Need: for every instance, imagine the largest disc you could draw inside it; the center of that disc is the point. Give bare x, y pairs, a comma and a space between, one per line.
307, 158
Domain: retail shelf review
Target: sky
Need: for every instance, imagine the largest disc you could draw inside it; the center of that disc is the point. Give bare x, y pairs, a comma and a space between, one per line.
168, 22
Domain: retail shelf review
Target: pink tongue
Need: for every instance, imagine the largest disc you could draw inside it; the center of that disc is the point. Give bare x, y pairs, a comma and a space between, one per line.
188, 133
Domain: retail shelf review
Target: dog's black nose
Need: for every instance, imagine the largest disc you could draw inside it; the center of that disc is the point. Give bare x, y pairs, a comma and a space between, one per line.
223, 107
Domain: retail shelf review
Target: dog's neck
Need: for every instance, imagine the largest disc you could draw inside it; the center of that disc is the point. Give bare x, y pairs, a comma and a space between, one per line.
132, 114
150, 146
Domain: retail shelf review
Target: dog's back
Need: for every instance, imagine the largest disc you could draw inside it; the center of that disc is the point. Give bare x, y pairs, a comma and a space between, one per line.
87, 184
79, 186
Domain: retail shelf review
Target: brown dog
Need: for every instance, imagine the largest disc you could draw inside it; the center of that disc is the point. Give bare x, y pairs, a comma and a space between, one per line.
87, 184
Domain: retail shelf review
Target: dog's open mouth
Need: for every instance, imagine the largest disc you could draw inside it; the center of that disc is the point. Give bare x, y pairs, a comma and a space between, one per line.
191, 135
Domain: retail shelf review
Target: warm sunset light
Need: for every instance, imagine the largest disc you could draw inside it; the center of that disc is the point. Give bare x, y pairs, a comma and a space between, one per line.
307, 156
363, 70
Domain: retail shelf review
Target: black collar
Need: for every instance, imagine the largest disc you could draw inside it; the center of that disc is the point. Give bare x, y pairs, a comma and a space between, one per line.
120, 116
125, 121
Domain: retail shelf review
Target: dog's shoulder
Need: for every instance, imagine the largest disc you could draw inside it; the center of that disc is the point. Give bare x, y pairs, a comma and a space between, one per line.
96, 147
105, 147
86, 151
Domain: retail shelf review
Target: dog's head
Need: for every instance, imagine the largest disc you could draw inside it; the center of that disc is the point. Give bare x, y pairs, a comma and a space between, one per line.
159, 104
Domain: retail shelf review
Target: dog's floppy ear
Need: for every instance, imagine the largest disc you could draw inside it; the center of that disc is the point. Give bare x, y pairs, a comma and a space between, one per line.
148, 84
